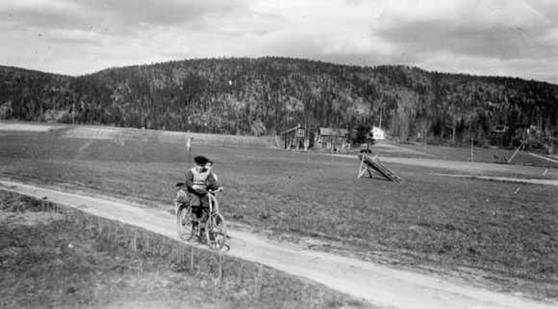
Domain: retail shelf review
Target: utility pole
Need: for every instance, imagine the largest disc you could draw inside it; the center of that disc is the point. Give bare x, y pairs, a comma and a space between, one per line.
472, 150
381, 112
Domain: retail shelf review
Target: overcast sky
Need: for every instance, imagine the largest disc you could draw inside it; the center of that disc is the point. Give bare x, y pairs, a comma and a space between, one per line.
490, 37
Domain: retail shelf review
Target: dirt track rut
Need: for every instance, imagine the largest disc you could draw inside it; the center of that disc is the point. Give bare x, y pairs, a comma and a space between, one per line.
377, 284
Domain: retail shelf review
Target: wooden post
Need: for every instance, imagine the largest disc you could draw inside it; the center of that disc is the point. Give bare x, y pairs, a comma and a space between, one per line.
258, 281
425, 140
472, 150
192, 259
135, 241
189, 148
360, 170
220, 269
515, 153
332, 146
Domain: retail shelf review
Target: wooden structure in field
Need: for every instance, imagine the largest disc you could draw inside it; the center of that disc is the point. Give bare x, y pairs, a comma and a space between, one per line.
294, 137
331, 138
373, 165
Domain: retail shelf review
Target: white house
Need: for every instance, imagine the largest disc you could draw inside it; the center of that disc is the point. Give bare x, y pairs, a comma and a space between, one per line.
378, 133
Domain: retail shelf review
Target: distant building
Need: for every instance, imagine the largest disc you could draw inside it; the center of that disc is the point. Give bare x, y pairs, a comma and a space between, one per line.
294, 137
500, 129
328, 138
378, 133
500, 135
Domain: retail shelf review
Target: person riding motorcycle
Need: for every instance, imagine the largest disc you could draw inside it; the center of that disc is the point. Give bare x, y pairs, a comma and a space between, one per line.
199, 179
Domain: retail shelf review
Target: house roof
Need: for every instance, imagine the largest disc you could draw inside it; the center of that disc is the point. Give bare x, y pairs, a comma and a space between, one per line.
333, 132
291, 129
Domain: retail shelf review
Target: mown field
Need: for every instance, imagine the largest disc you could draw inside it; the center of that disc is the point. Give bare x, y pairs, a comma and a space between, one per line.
54, 257
495, 233
480, 154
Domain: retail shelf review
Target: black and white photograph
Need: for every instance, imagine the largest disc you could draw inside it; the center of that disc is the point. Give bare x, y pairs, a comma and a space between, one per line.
279, 154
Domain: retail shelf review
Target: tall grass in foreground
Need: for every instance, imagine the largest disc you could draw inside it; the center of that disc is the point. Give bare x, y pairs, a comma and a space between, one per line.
141, 252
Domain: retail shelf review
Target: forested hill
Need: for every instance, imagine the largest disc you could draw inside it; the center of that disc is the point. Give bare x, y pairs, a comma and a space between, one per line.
267, 95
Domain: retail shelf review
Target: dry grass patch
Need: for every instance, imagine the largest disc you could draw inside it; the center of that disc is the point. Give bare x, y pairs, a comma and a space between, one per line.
70, 259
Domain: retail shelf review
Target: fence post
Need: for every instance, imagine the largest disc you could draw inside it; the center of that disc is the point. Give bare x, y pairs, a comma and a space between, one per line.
258, 281
220, 269
191, 259
135, 241
472, 150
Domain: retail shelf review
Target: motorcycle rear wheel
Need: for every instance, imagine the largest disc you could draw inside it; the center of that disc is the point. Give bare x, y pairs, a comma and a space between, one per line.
185, 226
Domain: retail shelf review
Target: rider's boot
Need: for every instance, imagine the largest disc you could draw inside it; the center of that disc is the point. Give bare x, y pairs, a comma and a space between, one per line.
201, 233
194, 230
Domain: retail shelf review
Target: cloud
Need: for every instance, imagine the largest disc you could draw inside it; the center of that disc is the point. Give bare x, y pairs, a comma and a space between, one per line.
248, 23
515, 37
504, 31
82, 36
42, 18
528, 68
161, 12
119, 16
500, 41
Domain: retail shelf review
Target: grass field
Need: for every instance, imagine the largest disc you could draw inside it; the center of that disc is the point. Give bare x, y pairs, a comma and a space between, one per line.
57, 257
478, 154
494, 155
498, 233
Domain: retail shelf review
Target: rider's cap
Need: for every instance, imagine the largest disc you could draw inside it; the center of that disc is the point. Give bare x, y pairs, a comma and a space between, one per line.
201, 160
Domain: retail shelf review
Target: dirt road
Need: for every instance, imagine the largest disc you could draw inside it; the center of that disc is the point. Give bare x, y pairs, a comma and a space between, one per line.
377, 284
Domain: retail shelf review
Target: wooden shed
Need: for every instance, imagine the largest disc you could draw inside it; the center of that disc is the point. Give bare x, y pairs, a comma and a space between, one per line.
328, 138
294, 137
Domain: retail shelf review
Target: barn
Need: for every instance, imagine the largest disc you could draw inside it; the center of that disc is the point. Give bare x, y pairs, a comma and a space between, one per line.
294, 137
331, 138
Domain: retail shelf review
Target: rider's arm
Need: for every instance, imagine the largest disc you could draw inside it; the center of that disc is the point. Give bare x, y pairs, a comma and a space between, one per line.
212, 183
189, 181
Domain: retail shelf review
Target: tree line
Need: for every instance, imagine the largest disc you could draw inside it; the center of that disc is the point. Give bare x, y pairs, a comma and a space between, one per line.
267, 95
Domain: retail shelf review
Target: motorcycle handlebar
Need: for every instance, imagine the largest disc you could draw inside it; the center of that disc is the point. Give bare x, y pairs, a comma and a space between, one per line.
220, 189
215, 191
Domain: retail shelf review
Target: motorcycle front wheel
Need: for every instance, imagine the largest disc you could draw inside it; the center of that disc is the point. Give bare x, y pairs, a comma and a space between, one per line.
215, 231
